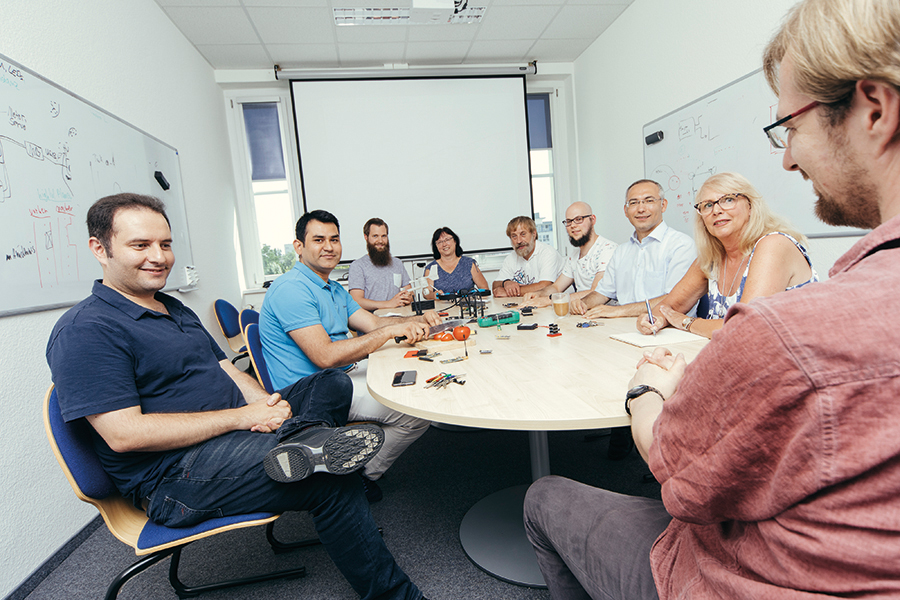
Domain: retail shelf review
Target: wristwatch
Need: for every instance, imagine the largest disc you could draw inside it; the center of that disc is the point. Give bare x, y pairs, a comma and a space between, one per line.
639, 390
687, 322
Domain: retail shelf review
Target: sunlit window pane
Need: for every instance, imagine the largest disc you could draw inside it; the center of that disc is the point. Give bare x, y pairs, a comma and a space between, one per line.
540, 162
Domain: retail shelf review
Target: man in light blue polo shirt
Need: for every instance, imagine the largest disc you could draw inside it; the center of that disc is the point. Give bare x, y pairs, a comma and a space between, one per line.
646, 267
305, 325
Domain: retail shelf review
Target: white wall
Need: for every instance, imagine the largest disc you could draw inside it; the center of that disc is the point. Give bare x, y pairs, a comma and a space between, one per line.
128, 58
658, 56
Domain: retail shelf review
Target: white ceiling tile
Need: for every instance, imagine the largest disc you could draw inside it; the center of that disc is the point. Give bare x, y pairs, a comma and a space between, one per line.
558, 50
220, 25
285, 3
236, 56
424, 53
442, 33
304, 55
498, 51
582, 21
364, 34
371, 3
302, 32
369, 55
625, 3
279, 25
520, 2
198, 2
515, 22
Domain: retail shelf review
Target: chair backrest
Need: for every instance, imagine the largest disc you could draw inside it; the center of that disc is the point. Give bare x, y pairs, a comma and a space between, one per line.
248, 316
703, 307
254, 347
230, 324
74, 450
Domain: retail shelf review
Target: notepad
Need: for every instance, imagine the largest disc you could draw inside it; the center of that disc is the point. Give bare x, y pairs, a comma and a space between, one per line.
662, 338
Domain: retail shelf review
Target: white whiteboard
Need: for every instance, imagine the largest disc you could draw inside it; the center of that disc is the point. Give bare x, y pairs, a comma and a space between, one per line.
418, 153
58, 155
722, 131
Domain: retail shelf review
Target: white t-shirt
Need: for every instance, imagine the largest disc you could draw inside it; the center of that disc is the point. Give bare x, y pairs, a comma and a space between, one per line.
583, 270
545, 264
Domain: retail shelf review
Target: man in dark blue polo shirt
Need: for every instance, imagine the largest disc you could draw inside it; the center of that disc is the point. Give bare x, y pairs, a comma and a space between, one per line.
177, 425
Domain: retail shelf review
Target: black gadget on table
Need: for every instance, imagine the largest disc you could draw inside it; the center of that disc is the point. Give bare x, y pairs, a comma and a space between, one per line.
402, 378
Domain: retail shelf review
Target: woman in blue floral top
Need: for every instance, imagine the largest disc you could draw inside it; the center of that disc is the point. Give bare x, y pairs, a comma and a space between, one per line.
450, 271
744, 251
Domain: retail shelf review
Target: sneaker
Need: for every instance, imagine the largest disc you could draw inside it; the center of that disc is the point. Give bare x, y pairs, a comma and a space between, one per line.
372, 489
335, 450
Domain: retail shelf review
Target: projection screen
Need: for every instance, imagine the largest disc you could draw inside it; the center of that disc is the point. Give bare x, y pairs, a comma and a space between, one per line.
418, 153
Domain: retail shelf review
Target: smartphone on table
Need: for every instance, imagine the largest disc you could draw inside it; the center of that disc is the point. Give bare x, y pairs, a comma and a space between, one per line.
402, 378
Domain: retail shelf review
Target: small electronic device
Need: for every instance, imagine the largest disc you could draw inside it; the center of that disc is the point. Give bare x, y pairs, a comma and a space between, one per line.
526, 326
504, 318
402, 378
526, 311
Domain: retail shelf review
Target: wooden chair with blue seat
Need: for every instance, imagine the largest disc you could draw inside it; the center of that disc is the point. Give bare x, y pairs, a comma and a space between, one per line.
73, 448
246, 317
254, 347
230, 325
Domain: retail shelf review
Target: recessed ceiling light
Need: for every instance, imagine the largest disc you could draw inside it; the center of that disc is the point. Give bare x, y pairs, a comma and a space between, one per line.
417, 15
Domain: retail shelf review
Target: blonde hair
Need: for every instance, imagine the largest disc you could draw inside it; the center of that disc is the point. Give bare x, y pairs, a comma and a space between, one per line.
710, 251
835, 43
526, 223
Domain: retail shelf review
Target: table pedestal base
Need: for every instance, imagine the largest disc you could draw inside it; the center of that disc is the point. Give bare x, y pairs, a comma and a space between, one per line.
493, 536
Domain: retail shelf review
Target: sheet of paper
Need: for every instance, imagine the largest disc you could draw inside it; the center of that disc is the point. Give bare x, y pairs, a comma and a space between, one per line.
662, 338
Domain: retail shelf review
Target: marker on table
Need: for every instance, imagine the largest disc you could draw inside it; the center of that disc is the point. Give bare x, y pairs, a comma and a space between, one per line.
650, 315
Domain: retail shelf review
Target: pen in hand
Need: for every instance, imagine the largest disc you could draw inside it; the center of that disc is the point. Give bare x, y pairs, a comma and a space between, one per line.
650, 315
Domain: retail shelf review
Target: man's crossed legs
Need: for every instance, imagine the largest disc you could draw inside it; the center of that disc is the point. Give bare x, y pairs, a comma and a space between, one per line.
226, 476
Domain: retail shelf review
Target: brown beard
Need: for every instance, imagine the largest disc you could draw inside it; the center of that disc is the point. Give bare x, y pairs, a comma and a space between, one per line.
857, 205
379, 258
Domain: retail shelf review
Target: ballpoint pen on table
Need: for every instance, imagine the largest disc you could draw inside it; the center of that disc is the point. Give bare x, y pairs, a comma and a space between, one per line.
650, 315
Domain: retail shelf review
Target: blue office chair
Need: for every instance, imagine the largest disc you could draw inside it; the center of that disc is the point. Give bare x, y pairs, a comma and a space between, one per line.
254, 347
247, 316
703, 307
230, 325
74, 450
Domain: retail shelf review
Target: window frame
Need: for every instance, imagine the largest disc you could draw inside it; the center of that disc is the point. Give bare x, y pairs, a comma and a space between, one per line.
246, 226
559, 155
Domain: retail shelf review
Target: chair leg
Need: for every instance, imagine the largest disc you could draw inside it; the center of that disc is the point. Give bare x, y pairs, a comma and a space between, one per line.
148, 561
184, 591
279, 547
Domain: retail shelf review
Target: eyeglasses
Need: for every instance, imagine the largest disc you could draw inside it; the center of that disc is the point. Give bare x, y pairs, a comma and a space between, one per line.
778, 133
575, 220
727, 202
634, 203
445, 240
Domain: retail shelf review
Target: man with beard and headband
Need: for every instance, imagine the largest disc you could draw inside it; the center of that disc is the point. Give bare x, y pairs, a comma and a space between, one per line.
585, 264
305, 325
378, 280
531, 266
778, 447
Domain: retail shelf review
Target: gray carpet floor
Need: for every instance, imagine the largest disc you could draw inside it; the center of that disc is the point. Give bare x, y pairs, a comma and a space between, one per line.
426, 494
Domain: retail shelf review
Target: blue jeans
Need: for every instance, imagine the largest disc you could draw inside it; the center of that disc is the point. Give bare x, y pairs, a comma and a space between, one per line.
225, 476
593, 543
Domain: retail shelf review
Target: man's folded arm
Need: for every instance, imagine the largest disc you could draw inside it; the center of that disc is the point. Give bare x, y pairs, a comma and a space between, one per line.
130, 430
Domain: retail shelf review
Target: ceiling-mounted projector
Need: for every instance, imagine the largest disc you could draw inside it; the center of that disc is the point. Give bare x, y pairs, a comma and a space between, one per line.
424, 12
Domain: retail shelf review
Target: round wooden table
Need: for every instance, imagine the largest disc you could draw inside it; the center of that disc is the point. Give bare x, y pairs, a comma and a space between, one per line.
529, 382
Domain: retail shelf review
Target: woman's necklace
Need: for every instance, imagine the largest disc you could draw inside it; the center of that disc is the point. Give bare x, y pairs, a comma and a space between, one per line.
730, 290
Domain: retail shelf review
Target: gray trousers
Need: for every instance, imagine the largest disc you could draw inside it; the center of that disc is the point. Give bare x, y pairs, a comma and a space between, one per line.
400, 430
593, 543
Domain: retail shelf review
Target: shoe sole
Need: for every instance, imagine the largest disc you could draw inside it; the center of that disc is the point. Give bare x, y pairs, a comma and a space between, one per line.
346, 450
